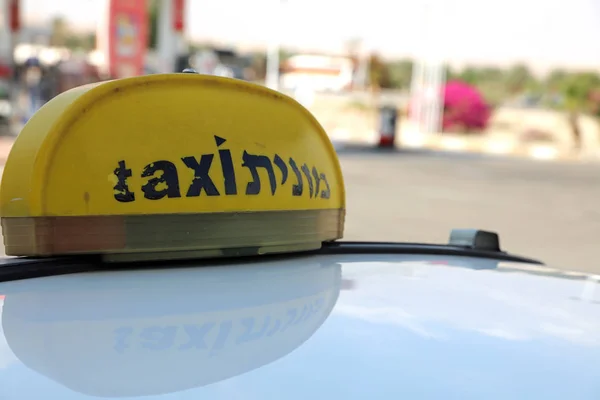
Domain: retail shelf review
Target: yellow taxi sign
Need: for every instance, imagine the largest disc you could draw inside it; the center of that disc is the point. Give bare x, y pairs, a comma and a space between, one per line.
157, 162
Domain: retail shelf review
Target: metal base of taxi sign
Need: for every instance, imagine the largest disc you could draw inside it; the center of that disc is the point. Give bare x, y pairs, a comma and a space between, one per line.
173, 165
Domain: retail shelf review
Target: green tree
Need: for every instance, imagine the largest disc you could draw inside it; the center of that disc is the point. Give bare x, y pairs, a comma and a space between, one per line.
86, 42
379, 76
555, 79
59, 32
400, 73
469, 75
488, 74
519, 78
579, 91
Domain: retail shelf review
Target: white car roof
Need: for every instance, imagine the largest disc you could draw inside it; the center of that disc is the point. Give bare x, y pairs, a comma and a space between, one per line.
311, 326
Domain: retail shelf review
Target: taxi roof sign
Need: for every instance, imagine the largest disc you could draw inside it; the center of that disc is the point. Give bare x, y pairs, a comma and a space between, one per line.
171, 165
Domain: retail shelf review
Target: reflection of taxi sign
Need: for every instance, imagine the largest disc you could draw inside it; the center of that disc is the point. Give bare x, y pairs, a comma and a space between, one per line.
183, 328
173, 165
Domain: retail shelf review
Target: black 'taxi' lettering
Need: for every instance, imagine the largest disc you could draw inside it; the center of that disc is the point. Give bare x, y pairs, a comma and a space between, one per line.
325, 193
253, 162
228, 172
311, 188
202, 178
122, 192
298, 187
317, 178
282, 167
166, 184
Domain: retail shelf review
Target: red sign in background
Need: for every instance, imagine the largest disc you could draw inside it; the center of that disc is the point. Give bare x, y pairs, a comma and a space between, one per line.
178, 15
127, 37
14, 15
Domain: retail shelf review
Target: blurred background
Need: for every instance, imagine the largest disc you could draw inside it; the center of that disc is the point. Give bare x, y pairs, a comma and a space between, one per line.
445, 113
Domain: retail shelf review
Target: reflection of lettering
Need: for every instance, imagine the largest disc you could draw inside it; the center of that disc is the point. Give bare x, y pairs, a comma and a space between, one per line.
291, 316
158, 338
306, 310
121, 336
122, 193
253, 162
164, 178
212, 336
224, 331
201, 176
166, 183
196, 336
274, 329
249, 335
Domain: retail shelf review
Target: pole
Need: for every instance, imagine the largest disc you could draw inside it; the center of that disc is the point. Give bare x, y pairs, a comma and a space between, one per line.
428, 77
364, 66
171, 33
272, 80
416, 97
14, 22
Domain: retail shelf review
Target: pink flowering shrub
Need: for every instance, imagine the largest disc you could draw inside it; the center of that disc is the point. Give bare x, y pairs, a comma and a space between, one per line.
464, 108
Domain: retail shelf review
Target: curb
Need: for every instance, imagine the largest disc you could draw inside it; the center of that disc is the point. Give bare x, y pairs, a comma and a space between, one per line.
500, 146
493, 146
465, 144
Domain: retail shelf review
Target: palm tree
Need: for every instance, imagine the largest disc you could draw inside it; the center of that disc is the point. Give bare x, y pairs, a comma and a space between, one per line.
578, 90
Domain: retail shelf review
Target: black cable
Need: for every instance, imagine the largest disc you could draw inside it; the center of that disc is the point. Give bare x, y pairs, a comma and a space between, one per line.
18, 268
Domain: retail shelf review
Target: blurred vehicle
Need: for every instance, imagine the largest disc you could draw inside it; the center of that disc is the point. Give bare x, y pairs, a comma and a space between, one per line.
135, 277
32, 78
219, 62
6, 110
75, 72
6, 106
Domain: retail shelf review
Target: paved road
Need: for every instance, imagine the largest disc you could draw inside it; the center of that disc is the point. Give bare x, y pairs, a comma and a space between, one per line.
542, 210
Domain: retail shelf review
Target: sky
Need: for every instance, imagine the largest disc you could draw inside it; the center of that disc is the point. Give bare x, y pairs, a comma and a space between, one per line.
540, 33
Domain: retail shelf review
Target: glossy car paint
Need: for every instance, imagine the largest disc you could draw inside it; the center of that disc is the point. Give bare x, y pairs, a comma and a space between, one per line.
318, 327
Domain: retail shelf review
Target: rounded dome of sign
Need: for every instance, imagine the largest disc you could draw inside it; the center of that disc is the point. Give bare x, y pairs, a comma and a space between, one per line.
172, 165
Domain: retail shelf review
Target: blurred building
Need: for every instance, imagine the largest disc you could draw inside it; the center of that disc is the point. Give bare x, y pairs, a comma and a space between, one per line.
319, 72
